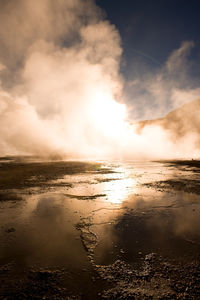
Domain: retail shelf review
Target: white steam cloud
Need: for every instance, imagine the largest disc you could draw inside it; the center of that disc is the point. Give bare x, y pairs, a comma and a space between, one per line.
59, 72
59, 61
167, 88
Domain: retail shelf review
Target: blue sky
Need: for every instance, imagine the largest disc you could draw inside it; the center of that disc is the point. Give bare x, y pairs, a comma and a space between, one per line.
151, 30
152, 27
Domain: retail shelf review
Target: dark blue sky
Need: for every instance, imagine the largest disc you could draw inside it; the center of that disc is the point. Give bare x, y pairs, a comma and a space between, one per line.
152, 29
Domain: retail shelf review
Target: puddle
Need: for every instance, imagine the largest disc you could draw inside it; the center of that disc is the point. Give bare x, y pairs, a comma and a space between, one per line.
101, 220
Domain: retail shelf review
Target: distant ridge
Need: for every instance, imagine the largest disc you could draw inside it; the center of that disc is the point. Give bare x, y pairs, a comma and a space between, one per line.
179, 122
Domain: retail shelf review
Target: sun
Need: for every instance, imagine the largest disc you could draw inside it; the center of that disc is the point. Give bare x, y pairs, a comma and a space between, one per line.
108, 115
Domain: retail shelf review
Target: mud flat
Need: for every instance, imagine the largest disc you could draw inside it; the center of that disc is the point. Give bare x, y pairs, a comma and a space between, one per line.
85, 230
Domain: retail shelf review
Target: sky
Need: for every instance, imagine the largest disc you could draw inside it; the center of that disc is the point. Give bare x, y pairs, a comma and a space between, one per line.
77, 75
150, 31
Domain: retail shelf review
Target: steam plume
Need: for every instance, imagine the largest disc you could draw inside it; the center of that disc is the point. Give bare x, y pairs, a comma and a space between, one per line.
57, 60
60, 79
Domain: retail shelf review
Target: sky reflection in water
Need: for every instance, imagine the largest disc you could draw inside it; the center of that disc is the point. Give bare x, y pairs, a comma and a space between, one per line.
127, 217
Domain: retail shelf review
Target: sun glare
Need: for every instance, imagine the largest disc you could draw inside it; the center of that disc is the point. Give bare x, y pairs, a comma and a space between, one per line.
109, 115
121, 187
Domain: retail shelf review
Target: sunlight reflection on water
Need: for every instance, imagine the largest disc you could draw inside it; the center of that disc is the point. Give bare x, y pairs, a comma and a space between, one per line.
114, 203
118, 190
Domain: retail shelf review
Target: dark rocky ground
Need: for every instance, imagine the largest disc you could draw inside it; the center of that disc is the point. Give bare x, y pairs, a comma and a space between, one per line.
144, 258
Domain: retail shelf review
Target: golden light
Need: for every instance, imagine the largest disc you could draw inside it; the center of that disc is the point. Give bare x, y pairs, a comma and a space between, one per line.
119, 189
108, 115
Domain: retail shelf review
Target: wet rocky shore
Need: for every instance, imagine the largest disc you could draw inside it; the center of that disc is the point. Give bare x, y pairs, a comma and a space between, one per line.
99, 230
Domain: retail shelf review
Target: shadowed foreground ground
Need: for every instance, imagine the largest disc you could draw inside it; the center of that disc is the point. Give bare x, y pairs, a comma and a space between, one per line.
79, 230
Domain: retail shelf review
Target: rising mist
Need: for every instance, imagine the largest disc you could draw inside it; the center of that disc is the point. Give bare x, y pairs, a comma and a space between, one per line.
62, 91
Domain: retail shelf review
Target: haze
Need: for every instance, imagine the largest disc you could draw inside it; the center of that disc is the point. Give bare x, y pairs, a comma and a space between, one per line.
63, 93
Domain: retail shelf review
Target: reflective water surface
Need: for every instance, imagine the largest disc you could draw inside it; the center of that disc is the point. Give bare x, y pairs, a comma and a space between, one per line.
120, 211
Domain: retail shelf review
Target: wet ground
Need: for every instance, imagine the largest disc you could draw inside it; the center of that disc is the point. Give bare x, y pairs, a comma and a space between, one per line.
80, 230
